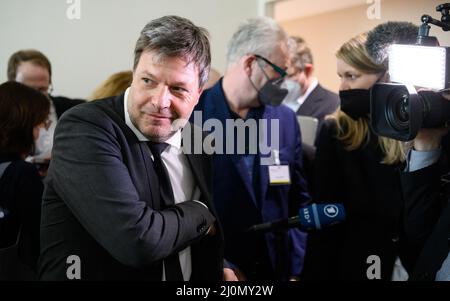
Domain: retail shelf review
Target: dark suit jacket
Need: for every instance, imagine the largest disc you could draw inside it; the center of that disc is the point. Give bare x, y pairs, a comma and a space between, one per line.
320, 102
238, 204
372, 198
427, 219
102, 203
62, 104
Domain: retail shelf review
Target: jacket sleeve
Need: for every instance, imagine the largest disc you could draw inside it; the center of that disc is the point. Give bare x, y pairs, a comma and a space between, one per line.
89, 174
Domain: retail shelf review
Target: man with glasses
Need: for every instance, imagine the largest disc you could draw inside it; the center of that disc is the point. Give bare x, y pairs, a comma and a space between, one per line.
32, 68
255, 185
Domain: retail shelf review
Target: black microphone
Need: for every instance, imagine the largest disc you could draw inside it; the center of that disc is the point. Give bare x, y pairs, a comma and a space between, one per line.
311, 217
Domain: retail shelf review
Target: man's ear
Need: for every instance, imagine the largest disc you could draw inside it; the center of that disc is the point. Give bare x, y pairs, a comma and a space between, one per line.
309, 69
247, 63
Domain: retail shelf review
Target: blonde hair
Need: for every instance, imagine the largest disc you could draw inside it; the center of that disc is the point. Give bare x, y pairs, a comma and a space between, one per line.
355, 133
114, 85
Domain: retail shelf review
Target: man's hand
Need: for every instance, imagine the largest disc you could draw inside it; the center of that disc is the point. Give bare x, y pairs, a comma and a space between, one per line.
233, 275
229, 275
429, 139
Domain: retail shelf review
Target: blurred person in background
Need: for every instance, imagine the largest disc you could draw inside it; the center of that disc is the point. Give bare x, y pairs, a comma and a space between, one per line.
23, 112
114, 85
32, 68
314, 100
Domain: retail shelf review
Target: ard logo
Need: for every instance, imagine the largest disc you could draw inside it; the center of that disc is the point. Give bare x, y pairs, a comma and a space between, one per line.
331, 211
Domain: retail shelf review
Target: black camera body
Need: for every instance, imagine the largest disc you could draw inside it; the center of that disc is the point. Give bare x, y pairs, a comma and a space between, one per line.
398, 110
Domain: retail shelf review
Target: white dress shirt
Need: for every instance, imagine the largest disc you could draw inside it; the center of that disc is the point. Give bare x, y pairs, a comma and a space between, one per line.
295, 105
179, 173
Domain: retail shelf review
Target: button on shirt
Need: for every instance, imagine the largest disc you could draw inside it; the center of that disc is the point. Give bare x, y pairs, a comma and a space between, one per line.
180, 173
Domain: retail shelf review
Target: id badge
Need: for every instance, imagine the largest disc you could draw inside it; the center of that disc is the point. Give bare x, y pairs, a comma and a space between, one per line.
279, 175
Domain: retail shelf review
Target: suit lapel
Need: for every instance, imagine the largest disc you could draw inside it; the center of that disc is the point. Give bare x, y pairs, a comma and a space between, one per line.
315, 96
196, 162
114, 107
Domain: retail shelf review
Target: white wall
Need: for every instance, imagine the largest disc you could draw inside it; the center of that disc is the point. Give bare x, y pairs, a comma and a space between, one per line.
84, 52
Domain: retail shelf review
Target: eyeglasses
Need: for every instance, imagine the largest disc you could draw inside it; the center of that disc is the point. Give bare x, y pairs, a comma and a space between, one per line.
277, 69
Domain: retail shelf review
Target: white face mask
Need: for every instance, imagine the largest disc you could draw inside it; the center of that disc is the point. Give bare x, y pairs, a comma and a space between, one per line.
294, 92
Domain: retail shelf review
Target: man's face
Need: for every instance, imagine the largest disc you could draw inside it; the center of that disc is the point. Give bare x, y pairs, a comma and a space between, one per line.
278, 57
34, 76
162, 92
299, 76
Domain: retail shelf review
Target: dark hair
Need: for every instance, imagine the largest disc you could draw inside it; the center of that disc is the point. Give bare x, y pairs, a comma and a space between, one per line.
384, 35
173, 36
300, 53
21, 109
30, 55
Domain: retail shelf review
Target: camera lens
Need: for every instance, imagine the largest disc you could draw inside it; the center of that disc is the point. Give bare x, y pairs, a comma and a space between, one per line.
397, 110
401, 109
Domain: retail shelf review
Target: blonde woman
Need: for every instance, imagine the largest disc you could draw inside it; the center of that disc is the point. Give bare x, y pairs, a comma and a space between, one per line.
115, 84
360, 170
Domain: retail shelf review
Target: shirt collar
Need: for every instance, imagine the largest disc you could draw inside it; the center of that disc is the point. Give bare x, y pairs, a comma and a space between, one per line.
174, 140
313, 85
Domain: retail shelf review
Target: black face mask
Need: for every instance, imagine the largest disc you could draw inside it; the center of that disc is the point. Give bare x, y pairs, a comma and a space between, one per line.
272, 93
355, 102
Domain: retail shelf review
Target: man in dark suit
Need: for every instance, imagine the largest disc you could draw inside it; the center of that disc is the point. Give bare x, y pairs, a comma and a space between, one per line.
427, 193
315, 100
265, 184
32, 68
426, 188
124, 199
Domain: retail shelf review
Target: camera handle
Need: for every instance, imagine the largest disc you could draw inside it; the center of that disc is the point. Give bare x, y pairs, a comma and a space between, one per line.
444, 9
423, 37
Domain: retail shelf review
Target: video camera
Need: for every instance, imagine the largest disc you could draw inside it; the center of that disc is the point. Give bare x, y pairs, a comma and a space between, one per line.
397, 109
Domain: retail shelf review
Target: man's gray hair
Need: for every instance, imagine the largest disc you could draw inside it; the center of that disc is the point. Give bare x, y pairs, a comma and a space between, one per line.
255, 36
173, 36
384, 35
